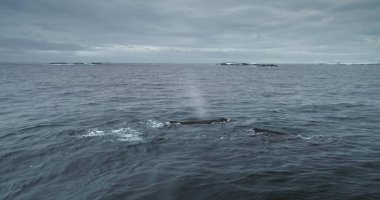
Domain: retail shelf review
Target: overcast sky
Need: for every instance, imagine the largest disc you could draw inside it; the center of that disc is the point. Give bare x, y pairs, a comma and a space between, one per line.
195, 31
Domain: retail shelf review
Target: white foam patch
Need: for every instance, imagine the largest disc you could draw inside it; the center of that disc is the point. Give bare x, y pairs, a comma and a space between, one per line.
127, 134
123, 134
256, 133
129, 138
154, 124
94, 133
310, 137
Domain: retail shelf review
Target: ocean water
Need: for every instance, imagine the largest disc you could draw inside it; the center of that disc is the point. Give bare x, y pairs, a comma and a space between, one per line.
100, 132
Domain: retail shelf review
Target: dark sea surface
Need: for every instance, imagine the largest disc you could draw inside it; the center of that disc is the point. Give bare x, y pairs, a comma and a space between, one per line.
100, 132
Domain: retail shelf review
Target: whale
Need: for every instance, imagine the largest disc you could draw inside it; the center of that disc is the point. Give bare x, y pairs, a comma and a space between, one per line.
207, 121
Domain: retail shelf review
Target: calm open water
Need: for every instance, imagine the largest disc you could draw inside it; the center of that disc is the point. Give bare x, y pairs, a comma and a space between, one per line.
99, 132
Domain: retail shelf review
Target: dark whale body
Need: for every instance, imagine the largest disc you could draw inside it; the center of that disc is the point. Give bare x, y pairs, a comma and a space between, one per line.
209, 121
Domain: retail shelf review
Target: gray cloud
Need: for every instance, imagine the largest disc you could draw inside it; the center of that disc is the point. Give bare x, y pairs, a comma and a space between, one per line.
29, 44
191, 30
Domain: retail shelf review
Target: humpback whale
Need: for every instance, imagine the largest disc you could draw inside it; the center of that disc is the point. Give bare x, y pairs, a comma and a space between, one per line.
208, 121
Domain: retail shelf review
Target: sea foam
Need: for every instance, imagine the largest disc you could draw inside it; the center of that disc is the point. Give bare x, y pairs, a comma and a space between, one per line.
122, 134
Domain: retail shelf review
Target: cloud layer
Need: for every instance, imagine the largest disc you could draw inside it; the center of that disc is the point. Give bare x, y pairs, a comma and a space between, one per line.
190, 30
